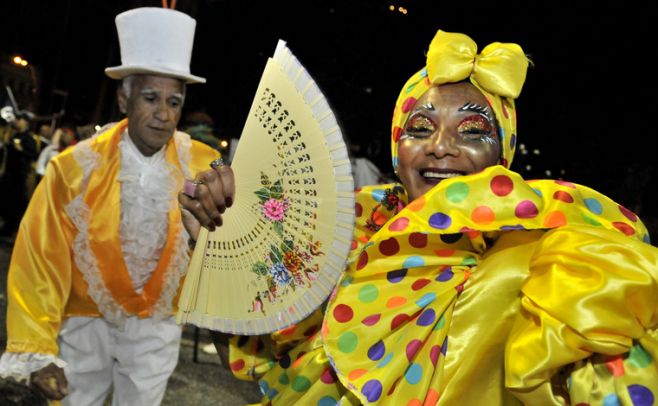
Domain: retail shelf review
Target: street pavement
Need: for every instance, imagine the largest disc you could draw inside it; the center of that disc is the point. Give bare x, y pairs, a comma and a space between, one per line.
202, 382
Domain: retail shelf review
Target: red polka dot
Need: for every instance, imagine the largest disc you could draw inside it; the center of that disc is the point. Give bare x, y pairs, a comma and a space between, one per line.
363, 261
395, 384
237, 365
483, 215
434, 354
343, 313
419, 284
563, 196
399, 224
526, 209
629, 214
328, 376
398, 320
444, 252
397, 132
371, 320
623, 227
504, 162
565, 183
354, 245
288, 330
358, 209
418, 240
412, 348
615, 366
504, 108
501, 185
389, 246
408, 104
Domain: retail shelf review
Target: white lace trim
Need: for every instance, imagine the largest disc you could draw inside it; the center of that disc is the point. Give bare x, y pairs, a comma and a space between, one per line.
20, 365
86, 261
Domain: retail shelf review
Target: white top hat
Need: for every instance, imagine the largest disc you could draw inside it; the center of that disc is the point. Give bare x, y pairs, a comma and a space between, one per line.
156, 41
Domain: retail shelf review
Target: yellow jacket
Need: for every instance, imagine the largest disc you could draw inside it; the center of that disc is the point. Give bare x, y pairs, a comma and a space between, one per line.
67, 259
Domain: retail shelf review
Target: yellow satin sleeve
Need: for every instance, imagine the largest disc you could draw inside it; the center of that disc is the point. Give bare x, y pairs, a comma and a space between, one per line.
39, 279
590, 305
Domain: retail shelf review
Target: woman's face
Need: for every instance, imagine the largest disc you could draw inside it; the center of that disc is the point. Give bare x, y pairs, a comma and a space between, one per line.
450, 132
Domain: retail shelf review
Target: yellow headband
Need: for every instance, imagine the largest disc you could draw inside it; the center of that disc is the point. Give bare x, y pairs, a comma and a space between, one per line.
499, 72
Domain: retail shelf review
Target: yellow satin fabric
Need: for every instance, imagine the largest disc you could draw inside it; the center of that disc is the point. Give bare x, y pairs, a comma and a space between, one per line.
467, 296
482, 311
499, 72
44, 284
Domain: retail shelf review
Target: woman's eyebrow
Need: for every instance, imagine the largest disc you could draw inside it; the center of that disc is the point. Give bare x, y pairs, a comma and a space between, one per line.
476, 108
426, 106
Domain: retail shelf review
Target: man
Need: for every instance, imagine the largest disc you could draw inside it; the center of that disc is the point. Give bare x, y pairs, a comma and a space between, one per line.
101, 250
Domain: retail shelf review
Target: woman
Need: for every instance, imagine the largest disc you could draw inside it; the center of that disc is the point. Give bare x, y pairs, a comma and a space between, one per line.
483, 287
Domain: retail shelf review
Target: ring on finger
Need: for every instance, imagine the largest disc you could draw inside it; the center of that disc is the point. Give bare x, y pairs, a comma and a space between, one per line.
217, 163
189, 187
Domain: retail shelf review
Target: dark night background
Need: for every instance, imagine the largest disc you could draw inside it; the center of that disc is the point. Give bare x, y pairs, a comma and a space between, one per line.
586, 105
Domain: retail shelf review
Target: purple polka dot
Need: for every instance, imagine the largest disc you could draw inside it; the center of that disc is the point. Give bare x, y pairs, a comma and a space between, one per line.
377, 351
641, 395
426, 318
397, 275
372, 390
512, 141
526, 210
444, 346
514, 227
440, 221
446, 275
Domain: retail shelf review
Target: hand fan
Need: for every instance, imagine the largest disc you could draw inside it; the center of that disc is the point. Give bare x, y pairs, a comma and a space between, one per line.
284, 243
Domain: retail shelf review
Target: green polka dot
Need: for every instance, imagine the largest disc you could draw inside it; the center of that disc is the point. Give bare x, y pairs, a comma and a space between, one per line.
301, 384
347, 342
439, 324
590, 220
283, 379
368, 293
457, 192
639, 357
469, 261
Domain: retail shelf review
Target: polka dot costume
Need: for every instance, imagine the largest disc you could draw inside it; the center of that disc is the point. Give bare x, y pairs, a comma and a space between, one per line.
387, 329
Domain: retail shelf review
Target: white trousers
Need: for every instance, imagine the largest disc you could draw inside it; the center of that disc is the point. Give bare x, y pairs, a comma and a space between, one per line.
134, 362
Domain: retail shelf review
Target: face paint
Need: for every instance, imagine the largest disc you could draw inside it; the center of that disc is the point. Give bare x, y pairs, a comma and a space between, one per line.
456, 137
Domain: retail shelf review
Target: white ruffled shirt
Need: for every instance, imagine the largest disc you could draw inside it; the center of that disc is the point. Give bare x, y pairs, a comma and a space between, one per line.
146, 190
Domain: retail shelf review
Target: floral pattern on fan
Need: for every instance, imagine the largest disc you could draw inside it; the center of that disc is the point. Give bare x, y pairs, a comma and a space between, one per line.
288, 265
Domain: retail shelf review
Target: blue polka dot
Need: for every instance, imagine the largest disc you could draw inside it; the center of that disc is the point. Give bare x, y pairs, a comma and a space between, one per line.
445, 275
426, 299
413, 261
647, 239
501, 133
386, 360
327, 401
263, 387
423, 73
538, 192
512, 142
395, 162
641, 395
611, 400
594, 206
272, 393
346, 281
378, 195
414, 374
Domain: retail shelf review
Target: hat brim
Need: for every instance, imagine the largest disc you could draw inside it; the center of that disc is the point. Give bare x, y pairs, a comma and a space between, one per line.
120, 72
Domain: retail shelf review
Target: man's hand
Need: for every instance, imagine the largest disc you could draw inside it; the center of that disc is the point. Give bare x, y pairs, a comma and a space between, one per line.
50, 380
204, 204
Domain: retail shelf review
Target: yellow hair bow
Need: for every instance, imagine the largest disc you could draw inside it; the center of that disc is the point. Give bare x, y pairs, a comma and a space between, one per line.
499, 69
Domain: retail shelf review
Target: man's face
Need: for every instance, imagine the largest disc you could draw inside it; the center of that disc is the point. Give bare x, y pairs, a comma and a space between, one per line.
153, 108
